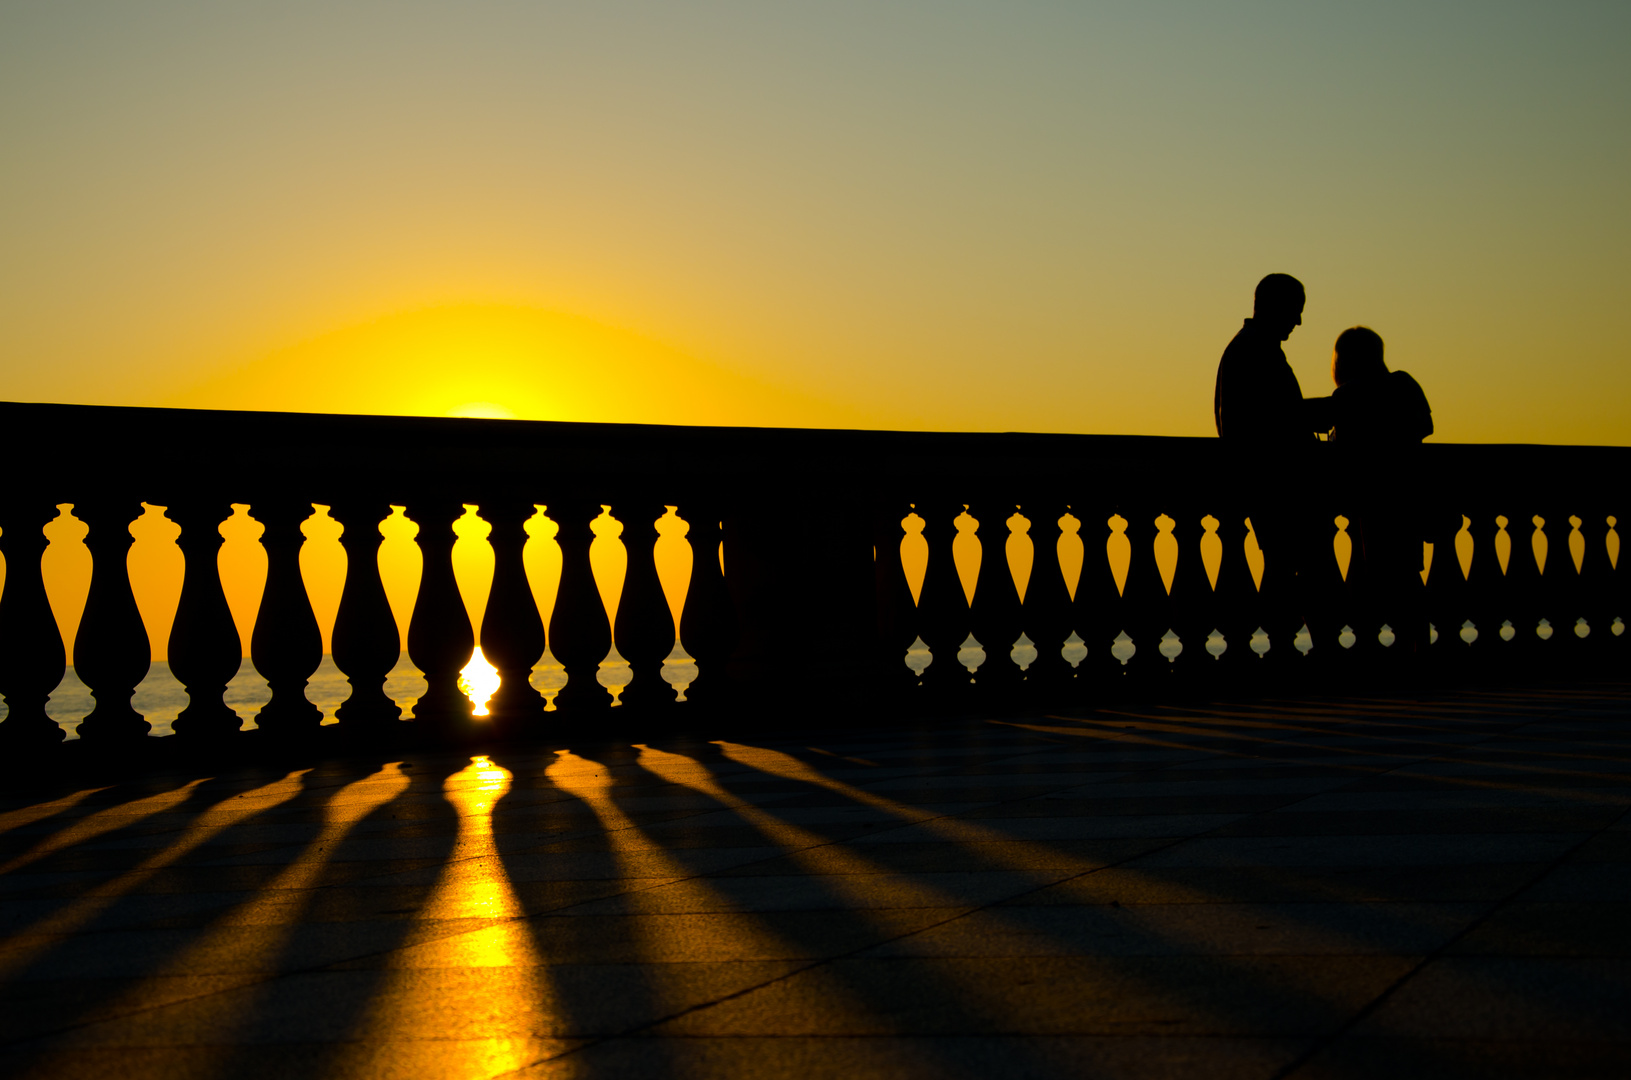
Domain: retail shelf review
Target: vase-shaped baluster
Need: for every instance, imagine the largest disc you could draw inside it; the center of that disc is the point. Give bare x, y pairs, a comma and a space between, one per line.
205, 650
708, 622
32, 660
286, 645
440, 638
580, 635
512, 633
644, 631
112, 653
366, 641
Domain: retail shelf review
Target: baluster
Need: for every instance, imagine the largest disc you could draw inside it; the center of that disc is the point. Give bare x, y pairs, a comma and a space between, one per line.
994, 615
1320, 598
440, 638
645, 627
286, 645
1526, 584
1558, 585
512, 633
1190, 602
1079, 623
1146, 614
1290, 548
32, 660
1617, 591
1588, 586
1447, 601
579, 634
708, 625
1561, 585
205, 650
1105, 530
366, 641
1491, 596
1432, 515
892, 597
1236, 601
112, 653
1353, 600
1045, 610
942, 609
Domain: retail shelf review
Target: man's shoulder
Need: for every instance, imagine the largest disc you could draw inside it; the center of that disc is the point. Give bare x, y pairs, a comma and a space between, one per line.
1246, 346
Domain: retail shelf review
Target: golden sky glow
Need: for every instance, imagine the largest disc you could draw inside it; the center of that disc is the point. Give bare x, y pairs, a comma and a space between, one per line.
914, 215
978, 216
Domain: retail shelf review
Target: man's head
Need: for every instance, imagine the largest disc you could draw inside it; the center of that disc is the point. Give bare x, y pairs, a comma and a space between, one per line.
1358, 355
1278, 306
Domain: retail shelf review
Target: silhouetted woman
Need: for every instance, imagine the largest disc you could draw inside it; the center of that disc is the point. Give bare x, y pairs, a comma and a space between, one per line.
1379, 419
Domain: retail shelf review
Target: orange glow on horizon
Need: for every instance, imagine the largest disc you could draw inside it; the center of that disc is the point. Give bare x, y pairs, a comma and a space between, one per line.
494, 361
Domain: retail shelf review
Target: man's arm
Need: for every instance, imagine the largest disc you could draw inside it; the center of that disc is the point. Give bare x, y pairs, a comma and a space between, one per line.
1318, 414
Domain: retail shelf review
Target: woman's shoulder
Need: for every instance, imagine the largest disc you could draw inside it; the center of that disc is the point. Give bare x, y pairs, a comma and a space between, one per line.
1405, 386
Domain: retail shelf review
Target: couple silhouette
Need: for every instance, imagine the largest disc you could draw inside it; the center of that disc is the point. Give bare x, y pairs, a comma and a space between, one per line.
1375, 418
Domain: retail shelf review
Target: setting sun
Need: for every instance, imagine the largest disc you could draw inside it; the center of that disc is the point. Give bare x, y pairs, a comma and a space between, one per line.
481, 410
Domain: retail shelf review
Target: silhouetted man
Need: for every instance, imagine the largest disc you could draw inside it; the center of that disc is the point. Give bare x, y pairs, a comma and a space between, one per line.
1263, 417
1257, 402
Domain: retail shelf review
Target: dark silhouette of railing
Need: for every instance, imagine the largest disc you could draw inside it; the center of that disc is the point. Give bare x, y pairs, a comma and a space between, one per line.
813, 614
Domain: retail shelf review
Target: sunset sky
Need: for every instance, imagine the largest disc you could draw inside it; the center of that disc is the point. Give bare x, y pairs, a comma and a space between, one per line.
1043, 216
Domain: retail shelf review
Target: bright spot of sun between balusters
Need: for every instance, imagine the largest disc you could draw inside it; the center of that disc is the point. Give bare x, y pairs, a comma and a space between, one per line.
478, 681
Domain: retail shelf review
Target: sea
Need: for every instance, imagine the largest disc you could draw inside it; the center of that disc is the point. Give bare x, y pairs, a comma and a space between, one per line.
160, 697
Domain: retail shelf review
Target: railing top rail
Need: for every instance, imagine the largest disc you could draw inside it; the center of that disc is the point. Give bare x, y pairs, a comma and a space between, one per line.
87, 447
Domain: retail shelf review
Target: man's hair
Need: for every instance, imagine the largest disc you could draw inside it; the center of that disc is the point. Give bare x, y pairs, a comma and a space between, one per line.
1277, 293
1358, 355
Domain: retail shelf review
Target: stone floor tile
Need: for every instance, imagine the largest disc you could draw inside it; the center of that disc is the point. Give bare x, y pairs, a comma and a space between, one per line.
365, 903
1145, 786
1469, 883
32, 1008
227, 950
817, 816
815, 892
996, 779
1193, 930
453, 1003
1552, 929
403, 1059
925, 857
1262, 996
1580, 882
1071, 806
1612, 846
907, 1058
1500, 997
1294, 821
708, 937
122, 912
1610, 800
1050, 828
587, 866
1176, 891
1359, 1058
55, 885
1419, 850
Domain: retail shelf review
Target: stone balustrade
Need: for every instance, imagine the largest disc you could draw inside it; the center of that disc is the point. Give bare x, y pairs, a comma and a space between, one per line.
861, 571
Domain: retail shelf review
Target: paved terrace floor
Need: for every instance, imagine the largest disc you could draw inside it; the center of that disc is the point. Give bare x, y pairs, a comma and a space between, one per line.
1369, 887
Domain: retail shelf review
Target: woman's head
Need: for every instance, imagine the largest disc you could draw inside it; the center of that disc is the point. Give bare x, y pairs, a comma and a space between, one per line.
1358, 355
